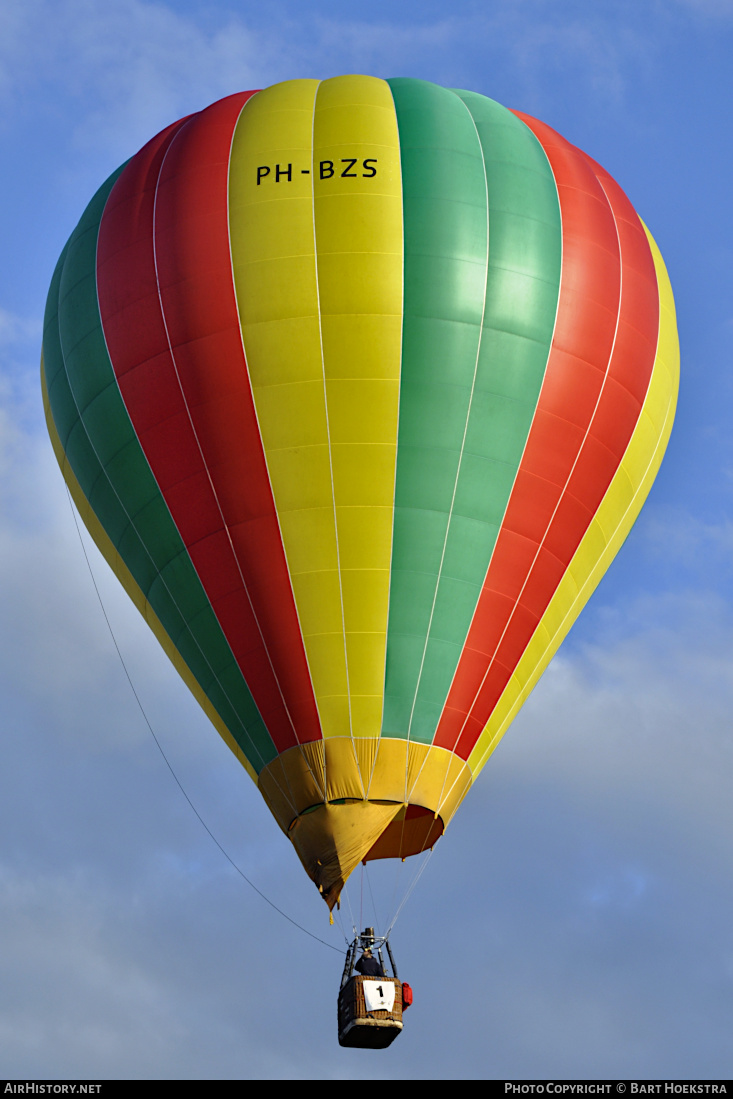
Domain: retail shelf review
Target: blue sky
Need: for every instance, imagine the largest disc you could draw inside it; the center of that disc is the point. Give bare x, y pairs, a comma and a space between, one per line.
575, 921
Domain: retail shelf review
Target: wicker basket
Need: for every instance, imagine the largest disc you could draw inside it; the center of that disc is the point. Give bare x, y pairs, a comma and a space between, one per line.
367, 1029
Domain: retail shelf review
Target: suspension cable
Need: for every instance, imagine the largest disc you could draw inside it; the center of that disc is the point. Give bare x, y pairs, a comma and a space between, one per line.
226, 855
408, 894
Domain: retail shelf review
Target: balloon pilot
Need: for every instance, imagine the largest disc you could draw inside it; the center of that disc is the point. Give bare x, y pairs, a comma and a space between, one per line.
368, 966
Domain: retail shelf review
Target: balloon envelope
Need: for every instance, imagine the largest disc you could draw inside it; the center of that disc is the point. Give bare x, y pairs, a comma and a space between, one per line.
359, 385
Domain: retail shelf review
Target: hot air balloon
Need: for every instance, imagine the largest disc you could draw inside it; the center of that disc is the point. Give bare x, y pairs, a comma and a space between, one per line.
359, 386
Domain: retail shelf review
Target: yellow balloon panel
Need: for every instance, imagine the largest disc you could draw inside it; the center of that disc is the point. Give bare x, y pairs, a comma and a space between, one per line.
318, 254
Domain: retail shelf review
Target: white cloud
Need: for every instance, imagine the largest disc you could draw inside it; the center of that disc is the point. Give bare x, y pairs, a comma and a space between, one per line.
55, 648
103, 984
640, 722
678, 537
126, 69
98, 1002
515, 44
16, 330
129, 68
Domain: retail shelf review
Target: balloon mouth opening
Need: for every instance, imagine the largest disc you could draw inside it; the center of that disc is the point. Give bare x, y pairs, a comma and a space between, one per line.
332, 838
411, 831
336, 817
